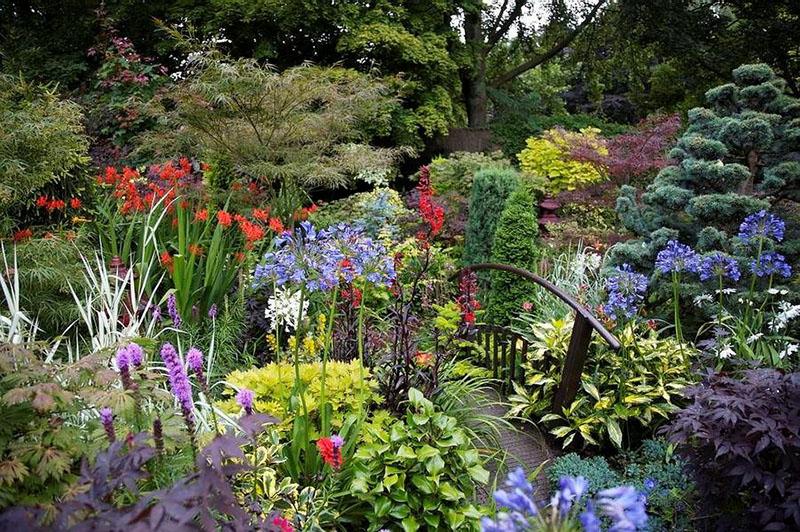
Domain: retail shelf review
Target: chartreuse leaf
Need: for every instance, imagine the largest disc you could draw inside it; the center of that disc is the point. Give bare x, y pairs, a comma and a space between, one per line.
591, 389
479, 474
449, 493
422, 483
454, 518
426, 451
406, 452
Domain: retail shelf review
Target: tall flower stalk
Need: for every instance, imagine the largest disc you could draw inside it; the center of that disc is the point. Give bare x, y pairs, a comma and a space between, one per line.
675, 259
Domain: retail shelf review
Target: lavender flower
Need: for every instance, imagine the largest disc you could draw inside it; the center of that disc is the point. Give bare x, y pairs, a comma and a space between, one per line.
245, 399
212, 312
719, 265
676, 258
172, 308
107, 419
762, 225
624, 506
156, 313
178, 381
625, 292
771, 263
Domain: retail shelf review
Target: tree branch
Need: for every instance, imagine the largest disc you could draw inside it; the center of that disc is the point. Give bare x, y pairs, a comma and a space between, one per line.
501, 29
537, 60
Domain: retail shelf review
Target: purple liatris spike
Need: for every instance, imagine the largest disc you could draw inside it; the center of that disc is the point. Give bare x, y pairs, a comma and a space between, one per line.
107, 419
245, 399
135, 354
123, 365
156, 313
212, 312
172, 308
178, 380
158, 436
194, 359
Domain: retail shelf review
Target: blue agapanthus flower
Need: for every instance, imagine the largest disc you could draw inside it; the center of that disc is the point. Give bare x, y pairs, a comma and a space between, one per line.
626, 292
320, 260
762, 225
677, 258
719, 265
624, 506
589, 520
771, 263
570, 490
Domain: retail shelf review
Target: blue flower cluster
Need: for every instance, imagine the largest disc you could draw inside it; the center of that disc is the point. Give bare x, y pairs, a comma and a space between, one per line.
623, 506
762, 225
719, 265
625, 292
770, 263
677, 258
320, 260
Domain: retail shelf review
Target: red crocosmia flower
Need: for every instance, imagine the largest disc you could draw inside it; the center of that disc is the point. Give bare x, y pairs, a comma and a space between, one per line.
331, 451
276, 225
22, 234
313, 208
201, 216
42, 201
252, 232
262, 215
252, 187
184, 204
423, 360
195, 250
224, 218
75, 203
166, 260
353, 296
239, 256
283, 524
205, 167
56, 205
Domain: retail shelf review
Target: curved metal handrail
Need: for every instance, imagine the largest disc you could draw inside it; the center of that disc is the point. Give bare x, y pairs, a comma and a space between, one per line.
610, 339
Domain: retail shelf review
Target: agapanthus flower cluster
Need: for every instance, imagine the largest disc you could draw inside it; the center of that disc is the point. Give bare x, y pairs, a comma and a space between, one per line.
320, 261
625, 292
770, 263
677, 258
331, 450
283, 308
762, 225
623, 506
718, 265
178, 381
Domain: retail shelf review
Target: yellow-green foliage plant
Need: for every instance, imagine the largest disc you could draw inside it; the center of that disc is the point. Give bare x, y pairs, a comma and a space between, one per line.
548, 158
274, 383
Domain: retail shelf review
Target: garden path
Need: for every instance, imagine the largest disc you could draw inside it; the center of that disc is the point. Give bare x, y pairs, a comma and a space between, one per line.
524, 445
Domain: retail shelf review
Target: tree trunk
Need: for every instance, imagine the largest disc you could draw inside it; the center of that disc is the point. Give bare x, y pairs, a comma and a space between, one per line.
474, 79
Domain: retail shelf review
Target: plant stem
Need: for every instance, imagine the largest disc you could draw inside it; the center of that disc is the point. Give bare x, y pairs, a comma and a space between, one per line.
676, 306
325, 351
297, 382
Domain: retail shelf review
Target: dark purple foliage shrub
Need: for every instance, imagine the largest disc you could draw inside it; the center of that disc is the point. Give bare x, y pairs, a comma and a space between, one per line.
743, 435
202, 500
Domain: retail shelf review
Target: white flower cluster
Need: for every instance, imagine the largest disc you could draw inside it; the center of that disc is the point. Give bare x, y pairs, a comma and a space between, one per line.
586, 261
787, 313
283, 307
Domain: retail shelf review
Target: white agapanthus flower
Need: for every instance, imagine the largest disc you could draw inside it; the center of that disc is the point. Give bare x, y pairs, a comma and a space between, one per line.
702, 299
727, 353
775, 291
586, 261
787, 312
754, 338
788, 351
282, 308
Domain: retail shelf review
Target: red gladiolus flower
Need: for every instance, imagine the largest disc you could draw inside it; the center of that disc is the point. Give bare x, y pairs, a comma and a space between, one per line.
276, 225
331, 451
201, 216
75, 203
22, 234
224, 218
42, 201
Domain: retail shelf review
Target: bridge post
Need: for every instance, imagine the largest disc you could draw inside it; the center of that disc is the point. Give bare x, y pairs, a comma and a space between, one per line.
573, 363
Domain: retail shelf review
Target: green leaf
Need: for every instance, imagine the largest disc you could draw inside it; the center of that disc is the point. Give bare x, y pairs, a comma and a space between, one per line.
591, 389
422, 483
432, 521
426, 451
406, 452
434, 465
449, 493
410, 524
614, 432
382, 506
455, 519
479, 474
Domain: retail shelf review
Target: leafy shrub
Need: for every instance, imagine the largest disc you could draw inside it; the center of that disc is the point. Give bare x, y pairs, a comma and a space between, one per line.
456, 172
41, 143
632, 388
273, 388
514, 244
653, 469
740, 437
490, 189
381, 212
420, 474
549, 158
